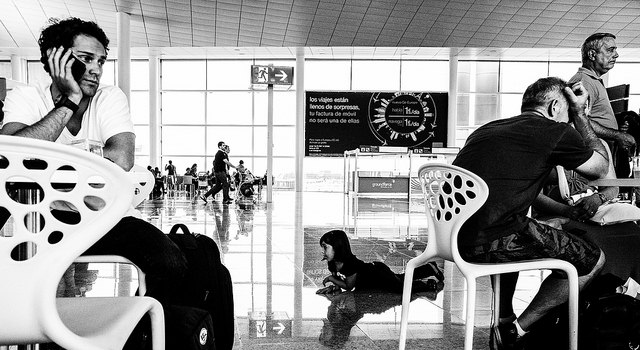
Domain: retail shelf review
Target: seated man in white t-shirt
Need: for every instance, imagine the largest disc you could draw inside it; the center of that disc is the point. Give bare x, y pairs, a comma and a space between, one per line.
74, 107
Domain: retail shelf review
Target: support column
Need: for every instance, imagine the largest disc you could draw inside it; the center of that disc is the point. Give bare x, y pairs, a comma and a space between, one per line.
453, 98
154, 111
124, 83
298, 258
270, 143
123, 36
300, 102
18, 68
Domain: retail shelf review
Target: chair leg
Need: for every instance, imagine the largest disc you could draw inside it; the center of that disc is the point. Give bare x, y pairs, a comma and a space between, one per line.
496, 299
573, 309
157, 326
471, 313
406, 301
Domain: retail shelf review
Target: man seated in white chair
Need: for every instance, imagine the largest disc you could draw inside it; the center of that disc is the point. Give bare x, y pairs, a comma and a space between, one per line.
514, 157
74, 107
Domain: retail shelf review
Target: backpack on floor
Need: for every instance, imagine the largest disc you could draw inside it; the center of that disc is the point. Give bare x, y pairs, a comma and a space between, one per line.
607, 320
612, 322
188, 328
208, 283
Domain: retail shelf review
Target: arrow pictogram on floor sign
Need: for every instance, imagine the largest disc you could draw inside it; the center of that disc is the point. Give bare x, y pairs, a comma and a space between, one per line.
280, 328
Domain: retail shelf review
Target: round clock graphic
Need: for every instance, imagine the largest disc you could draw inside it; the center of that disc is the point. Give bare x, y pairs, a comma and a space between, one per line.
402, 119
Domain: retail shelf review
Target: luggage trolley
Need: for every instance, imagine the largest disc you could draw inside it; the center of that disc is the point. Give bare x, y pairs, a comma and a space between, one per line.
244, 190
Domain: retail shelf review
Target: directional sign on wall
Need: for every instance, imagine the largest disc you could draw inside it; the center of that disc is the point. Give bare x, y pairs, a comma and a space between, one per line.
271, 75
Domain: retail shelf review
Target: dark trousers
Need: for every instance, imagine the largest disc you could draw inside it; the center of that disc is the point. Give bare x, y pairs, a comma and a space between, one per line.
222, 183
149, 248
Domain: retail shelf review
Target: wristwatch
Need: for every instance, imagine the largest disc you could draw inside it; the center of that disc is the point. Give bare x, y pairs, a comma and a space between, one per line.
603, 198
66, 102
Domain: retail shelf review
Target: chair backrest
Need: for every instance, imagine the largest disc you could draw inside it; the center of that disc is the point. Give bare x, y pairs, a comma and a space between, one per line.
37, 244
143, 182
619, 97
452, 194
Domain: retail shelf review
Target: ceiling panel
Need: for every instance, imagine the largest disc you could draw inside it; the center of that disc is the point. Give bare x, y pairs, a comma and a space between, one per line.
174, 26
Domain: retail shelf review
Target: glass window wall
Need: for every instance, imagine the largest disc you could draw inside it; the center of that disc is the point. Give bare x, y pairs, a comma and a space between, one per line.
217, 102
375, 75
5, 70
431, 76
327, 75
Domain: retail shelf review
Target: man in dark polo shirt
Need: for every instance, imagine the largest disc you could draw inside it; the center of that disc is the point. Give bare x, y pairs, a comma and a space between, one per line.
220, 165
514, 157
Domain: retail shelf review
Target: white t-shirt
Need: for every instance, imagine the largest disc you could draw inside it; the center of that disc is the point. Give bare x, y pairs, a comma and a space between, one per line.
107, 113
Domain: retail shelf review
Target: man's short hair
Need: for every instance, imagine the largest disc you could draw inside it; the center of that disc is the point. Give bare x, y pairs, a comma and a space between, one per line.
542, 92
64, 32
594, 41
220, 143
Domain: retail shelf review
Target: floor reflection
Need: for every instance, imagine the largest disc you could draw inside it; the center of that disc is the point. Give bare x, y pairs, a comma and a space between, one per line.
349, 308
274, 257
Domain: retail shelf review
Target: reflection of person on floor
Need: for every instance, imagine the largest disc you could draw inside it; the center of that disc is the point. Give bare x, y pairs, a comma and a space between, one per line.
245, 221
222, 223
349, 272
347, 308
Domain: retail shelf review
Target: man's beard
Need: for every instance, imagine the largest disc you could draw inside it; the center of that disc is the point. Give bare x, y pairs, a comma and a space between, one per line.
88, 91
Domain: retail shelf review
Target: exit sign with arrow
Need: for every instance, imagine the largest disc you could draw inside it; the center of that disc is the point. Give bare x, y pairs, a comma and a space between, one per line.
274, 325
271, 75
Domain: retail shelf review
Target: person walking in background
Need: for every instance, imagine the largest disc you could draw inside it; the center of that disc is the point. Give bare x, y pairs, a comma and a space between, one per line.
171, 176
221, 165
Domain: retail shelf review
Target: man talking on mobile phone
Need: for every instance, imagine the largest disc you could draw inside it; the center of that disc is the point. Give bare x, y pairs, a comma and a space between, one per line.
70, 109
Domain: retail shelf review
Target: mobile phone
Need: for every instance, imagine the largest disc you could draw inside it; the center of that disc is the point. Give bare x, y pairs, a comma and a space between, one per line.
77, 68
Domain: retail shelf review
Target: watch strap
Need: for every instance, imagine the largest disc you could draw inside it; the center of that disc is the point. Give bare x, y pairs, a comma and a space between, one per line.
66, 102
603, 197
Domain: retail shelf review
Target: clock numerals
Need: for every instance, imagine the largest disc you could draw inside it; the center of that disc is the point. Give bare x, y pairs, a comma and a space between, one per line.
402, 119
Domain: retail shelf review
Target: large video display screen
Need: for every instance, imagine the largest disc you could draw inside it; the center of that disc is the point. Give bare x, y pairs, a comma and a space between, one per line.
338, 121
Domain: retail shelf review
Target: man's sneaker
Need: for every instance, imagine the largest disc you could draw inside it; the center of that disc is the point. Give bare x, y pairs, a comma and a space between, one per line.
203, 198
505, 337
227, 201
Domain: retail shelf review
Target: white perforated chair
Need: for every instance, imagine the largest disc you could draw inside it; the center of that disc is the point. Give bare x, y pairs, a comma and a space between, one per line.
143, 182
452, 195
37, 246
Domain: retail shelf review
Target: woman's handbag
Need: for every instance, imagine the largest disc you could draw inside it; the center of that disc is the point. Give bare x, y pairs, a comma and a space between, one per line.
608, 213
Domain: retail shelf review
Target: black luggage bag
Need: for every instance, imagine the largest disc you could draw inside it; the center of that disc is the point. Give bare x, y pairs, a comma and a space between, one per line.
208, 283
188, 328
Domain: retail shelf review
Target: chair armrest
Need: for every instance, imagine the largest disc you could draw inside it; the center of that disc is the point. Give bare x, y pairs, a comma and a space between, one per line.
142, 285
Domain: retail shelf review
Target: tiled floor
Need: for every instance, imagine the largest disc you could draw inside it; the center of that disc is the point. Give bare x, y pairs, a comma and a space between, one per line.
274, 257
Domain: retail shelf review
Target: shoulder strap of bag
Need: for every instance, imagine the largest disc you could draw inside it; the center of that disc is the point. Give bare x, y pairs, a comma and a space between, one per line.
181, 227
